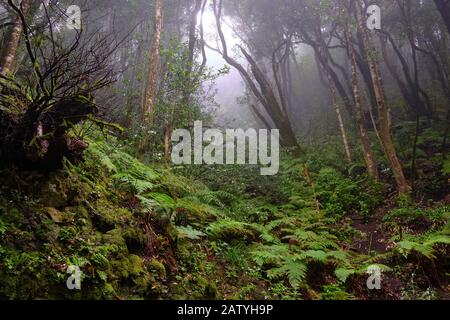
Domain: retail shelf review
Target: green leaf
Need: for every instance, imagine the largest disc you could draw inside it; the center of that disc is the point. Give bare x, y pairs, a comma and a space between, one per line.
342, 274
189, 233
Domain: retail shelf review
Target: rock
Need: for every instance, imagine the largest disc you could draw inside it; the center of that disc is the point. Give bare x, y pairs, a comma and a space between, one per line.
56, 215
52, 196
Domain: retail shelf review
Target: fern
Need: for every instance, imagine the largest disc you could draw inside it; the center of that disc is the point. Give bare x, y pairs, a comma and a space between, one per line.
162, 199
135, 185
198, 211
293, 267
406, 247
316, 255
147, 204
230, 230
446, 167
3, 226
273, 254
283, 222
104, 159
189, 233
311, 240
342, 274
177, 186
210, 198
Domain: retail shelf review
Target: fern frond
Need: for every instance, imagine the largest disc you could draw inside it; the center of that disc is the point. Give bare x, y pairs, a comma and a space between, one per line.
189, 233
293, 268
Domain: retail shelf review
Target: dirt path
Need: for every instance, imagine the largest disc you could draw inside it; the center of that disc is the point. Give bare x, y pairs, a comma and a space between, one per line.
373, 238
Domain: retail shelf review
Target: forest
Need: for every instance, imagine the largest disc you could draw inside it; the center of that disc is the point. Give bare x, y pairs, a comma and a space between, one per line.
224, 149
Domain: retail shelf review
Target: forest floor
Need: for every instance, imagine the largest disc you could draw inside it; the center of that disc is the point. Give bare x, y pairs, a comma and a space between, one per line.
151, 232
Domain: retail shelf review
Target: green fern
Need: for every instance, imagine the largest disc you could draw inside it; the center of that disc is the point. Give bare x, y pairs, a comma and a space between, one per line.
342, 273
316, 255
147, 204
162, 199
426, 249
310, 240
293, 267
138, 186
230, 230
189, 233
104, 159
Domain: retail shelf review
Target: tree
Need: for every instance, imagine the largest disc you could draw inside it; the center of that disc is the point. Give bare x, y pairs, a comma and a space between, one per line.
260, 86
35, 118
12, 42
369, 157
383, 115
152, 77
151, 88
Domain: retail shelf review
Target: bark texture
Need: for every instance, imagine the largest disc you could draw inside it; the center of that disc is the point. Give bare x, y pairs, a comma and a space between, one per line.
152, 77
383, 110
8, 54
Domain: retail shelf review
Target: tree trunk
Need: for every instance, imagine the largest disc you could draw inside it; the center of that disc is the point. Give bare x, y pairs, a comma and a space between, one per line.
151, 91
9, 52
167, 133
334, 100
325, 58
383, 111
369, 158
152, 78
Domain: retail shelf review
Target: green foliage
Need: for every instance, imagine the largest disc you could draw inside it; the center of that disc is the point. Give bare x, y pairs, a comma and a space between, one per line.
339, 195
425, 247
409, 214
343, 273
446, 167
226, 235
3, 226
293, 267
229, 230
335, 292
189, 233
307, 239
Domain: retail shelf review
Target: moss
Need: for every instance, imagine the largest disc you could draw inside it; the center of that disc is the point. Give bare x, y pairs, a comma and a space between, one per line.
205, 289
195, 212
56, 215
136, 265
106, 216
54, 193
23, 275
153, 265
128, 266
134, 237
115, 237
